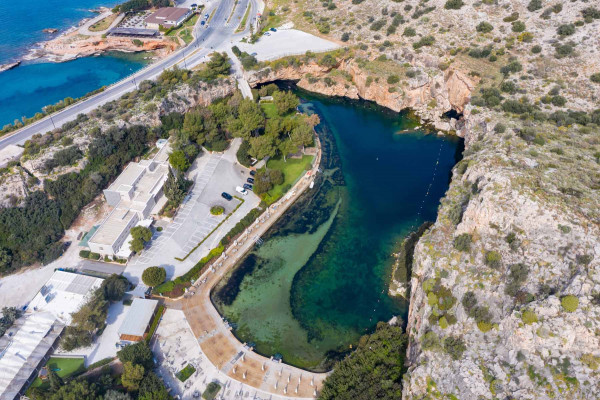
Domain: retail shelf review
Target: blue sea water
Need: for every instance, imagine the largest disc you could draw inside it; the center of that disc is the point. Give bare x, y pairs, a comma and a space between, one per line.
34, 84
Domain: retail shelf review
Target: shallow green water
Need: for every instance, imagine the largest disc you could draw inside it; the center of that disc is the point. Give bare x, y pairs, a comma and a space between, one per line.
320, 279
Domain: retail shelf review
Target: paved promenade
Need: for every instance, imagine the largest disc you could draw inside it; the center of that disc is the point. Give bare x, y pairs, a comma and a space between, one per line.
232, 358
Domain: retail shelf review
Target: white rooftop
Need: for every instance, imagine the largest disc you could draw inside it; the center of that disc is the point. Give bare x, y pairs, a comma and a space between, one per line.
21, 353
113, 226
63, 294
138, 317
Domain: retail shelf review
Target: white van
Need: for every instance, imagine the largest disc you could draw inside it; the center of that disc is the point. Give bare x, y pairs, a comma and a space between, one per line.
241, 190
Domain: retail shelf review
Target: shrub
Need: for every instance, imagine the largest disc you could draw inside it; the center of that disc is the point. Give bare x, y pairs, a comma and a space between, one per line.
377, 25
500, 128
345, 37
536, 49
484, 27
516, 277
512, 17
154, 276
518, 26
453, 4
484, 326
529, 317
443, 323
469, 301
430, 341
595, 77
564, 50
84, 254
511, 67
534, 5
566, 30
392, 79
463, 242
455, 347
409, 32
424, 41
493, 259
569, 303
217, 210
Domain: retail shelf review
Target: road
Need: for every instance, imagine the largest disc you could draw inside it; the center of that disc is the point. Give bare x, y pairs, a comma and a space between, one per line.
218, 35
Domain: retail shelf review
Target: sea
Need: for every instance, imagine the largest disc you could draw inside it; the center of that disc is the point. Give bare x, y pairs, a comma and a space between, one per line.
36, 83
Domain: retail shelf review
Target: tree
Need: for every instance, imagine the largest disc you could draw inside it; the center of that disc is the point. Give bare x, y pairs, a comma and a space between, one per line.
138, 353
218, 65
302, 135
455, 347
55, 381
141, 235
154, 276
115, 395
77, 390
179, 161
114, 287
193, 126
152, 388
262, 146
285, 101
132, 375
249, 119
453, 4
373, 371
176, 186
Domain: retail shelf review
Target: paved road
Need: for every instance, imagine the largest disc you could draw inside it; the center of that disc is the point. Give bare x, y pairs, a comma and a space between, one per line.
216, 36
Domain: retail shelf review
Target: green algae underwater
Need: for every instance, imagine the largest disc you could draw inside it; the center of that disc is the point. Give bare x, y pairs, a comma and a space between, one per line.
320, 279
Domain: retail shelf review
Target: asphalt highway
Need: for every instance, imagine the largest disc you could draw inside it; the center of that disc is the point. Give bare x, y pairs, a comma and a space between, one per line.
216, 36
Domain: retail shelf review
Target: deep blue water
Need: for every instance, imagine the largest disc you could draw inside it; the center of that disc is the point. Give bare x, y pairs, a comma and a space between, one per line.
34, 84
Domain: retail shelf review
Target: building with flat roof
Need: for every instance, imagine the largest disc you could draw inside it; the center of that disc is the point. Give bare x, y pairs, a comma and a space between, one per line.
167, 17
134, 194
33, 336
137, 320
133, 32
63, 294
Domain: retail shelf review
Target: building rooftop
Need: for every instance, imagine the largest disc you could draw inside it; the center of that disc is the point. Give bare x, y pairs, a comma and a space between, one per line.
21, 353
133, 32
138, 317
113, 225
63, 294
162, 15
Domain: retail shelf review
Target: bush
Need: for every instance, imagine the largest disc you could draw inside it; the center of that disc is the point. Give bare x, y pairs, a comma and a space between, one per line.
211, 391
493, 259
500, 128
484, 326
430, 341
217, 210
569, 303
424, 41
516, 277
595, 77
529, 317
566, 30
409, 32
392, 79
518, 26
512, 67
534, 5
463, 242
443, 322
455, 347
138, 353
377, 25
154, 276
484, 27
453, 4
84, 254
536, 49
345, 37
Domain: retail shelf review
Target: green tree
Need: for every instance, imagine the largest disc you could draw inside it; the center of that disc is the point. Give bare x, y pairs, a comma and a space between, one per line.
132, 375
193, 126
77, 390
55, 381
141, 235
138, 353
218, 65
154, 276
262, 146
285, 101
373, 371
249, 119
176, 186
115, 395
179, 161
114, 287
152, 388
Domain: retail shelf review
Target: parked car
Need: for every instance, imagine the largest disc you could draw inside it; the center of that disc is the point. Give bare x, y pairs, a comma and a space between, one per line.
252, 172
206, 16
202, 22
241, 190
226, 196
250, 180
273, 30
247, 186
267, 34
253, 54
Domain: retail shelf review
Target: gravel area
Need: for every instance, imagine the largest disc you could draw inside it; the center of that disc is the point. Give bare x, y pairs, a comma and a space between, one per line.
286, 42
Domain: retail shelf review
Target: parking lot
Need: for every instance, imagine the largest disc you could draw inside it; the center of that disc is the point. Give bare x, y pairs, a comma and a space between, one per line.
135, 21
212, 174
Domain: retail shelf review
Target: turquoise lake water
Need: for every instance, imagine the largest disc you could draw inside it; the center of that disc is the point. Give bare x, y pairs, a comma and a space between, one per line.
34, 84
320, 279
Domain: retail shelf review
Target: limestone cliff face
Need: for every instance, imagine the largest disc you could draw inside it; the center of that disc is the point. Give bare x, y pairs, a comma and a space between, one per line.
429, 96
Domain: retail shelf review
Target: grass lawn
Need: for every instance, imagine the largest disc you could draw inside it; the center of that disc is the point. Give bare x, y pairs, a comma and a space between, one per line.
292, 169
211, 391
185, 373
185, 30
64, 367
269, 109
103, 24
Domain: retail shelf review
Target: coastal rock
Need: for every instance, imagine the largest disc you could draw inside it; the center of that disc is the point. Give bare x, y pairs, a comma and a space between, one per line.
50, 30
6, 67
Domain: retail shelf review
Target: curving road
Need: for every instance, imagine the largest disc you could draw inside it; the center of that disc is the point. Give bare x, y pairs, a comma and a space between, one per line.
217, 35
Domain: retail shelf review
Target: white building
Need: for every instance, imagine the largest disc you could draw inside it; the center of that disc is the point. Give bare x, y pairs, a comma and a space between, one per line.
135, 194
34, 334
135, 326
167, 17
